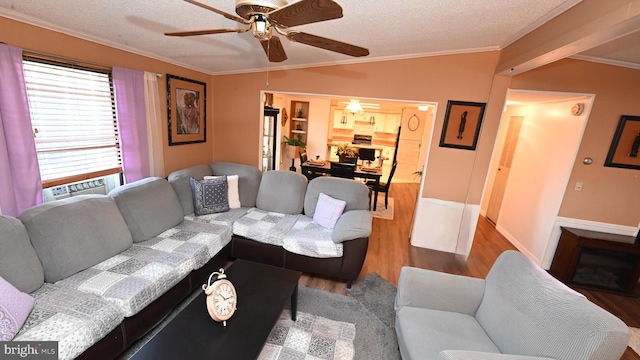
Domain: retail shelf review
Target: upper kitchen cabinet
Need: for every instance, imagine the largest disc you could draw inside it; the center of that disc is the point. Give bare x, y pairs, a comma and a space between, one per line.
342, 120
385, 123
300, 120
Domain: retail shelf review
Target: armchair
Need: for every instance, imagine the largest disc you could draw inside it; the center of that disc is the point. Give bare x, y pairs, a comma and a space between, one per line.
518, 312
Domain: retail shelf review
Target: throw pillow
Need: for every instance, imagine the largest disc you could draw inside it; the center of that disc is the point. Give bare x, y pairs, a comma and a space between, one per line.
328, 210
15, 307
210, 195
352, 224
233, 193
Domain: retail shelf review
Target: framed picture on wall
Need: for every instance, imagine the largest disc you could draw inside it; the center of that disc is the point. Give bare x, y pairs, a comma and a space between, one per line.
186, 110
623, 152
462, 124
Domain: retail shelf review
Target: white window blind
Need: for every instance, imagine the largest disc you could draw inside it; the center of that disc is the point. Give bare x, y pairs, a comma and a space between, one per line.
74, 121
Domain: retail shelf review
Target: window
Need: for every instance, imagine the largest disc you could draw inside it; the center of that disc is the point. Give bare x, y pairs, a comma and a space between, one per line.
73, 115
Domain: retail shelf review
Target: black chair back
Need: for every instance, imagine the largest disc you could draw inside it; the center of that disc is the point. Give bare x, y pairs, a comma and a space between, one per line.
367, 154
343, 170
303, 157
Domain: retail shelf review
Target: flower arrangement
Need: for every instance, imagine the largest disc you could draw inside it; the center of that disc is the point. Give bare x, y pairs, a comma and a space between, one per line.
345, 149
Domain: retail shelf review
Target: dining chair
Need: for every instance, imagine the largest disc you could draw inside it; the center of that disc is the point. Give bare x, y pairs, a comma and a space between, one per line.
343, 170
303, 157
384, 186
367, 154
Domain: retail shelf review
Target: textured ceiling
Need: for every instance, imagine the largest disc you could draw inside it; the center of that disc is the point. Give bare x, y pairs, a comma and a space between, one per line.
389, 29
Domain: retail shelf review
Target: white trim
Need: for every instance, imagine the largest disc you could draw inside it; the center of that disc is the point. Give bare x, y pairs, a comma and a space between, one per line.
611, 62
517, 244
583, 225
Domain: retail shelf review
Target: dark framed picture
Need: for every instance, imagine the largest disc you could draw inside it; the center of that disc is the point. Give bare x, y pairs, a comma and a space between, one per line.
186, 110
462, 124
623, 152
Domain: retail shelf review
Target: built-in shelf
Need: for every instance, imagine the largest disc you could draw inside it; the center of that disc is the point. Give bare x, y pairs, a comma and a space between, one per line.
298, 131
299, 119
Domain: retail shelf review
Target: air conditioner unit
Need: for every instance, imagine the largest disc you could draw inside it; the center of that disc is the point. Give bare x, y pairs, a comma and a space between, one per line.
95, 186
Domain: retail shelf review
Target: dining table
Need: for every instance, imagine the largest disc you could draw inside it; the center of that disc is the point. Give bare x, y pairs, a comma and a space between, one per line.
324, 168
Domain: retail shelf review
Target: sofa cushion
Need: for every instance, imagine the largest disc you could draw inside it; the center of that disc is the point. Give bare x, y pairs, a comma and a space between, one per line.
74, 319
210, 195
282, 192
197, 240
351, 225
227, 217
328, 211
149, 206
308, 238
249, 178
179, 180
19, 263
132, 279
264, 226
526, 311
355, 193
423, 333
15, 306
73, 234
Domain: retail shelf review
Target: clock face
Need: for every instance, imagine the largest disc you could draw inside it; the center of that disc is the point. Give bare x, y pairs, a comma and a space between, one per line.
222, 301
414, 123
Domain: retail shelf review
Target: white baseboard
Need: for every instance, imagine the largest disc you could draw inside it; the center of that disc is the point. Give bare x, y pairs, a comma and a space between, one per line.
517, 244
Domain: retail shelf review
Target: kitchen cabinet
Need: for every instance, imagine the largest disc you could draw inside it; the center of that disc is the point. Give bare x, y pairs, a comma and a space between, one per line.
342, 120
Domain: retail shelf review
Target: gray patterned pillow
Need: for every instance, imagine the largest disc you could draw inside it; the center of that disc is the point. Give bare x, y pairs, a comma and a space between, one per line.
210, 195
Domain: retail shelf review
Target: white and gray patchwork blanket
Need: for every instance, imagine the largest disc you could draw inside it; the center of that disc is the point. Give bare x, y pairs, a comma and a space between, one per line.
75, 319
132, 279
198, 240
226, 217
310, 239
264, 226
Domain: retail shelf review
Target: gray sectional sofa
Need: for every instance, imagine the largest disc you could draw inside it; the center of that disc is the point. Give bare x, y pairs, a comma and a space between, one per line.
105, 269
518, 312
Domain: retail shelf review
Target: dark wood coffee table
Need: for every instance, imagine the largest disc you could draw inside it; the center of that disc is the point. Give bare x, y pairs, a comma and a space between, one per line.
263, 291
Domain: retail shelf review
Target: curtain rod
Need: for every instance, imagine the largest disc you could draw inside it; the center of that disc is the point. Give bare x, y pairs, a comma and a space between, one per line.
76, 61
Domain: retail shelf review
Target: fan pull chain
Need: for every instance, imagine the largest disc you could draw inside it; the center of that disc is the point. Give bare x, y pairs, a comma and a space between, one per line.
268, 60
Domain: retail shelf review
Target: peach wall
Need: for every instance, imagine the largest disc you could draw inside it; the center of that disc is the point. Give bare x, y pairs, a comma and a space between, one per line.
609, 195
33, 38
466, 77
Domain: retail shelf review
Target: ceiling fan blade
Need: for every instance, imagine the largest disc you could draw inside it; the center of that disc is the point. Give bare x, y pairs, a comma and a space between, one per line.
306, 12
229, 16
327, 44
204, 32
274, 50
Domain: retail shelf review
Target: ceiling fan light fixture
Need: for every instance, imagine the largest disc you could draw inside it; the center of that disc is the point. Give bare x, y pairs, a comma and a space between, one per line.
261, 28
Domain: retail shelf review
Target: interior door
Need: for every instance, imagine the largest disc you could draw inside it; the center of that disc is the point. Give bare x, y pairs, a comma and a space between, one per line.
502, 175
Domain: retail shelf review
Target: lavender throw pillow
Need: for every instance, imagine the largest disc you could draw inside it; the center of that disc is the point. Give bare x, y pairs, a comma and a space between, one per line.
15, 307
328, 211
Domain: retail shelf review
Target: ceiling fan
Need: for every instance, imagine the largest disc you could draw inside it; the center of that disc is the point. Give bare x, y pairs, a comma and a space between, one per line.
262, 17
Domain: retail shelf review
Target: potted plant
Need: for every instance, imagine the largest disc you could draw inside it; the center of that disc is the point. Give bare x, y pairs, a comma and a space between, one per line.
346, 151
295, 145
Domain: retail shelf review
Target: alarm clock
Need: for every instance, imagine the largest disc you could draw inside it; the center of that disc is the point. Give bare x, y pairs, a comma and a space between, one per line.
222, 299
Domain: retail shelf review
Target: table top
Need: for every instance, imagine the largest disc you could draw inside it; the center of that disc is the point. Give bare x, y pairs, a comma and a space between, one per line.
262, 290
326, 168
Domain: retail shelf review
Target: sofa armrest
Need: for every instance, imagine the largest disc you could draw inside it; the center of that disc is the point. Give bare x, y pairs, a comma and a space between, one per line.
439, 291
353, 224
479, 355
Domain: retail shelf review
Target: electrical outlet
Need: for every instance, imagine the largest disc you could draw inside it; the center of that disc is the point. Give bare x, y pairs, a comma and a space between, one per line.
578, 186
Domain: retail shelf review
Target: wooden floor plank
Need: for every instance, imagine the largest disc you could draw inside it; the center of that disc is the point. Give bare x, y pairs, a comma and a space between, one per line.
390, 250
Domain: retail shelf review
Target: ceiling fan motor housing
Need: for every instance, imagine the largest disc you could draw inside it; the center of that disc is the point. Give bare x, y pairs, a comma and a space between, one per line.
245, 8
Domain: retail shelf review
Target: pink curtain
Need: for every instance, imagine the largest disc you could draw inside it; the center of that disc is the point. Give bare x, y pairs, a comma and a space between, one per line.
130, 103
20, 184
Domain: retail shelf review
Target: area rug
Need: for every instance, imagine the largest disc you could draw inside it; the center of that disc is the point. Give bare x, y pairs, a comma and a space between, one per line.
634, 339
381, 212
369, 306
309, 337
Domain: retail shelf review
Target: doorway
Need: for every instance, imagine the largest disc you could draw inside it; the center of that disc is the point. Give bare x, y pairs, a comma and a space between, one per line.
524, 202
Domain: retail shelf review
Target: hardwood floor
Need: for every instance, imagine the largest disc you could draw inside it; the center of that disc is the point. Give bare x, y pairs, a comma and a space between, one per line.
390, 250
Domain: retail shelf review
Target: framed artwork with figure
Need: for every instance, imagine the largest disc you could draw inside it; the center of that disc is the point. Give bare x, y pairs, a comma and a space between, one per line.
462, 124
623, 152
186, 110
